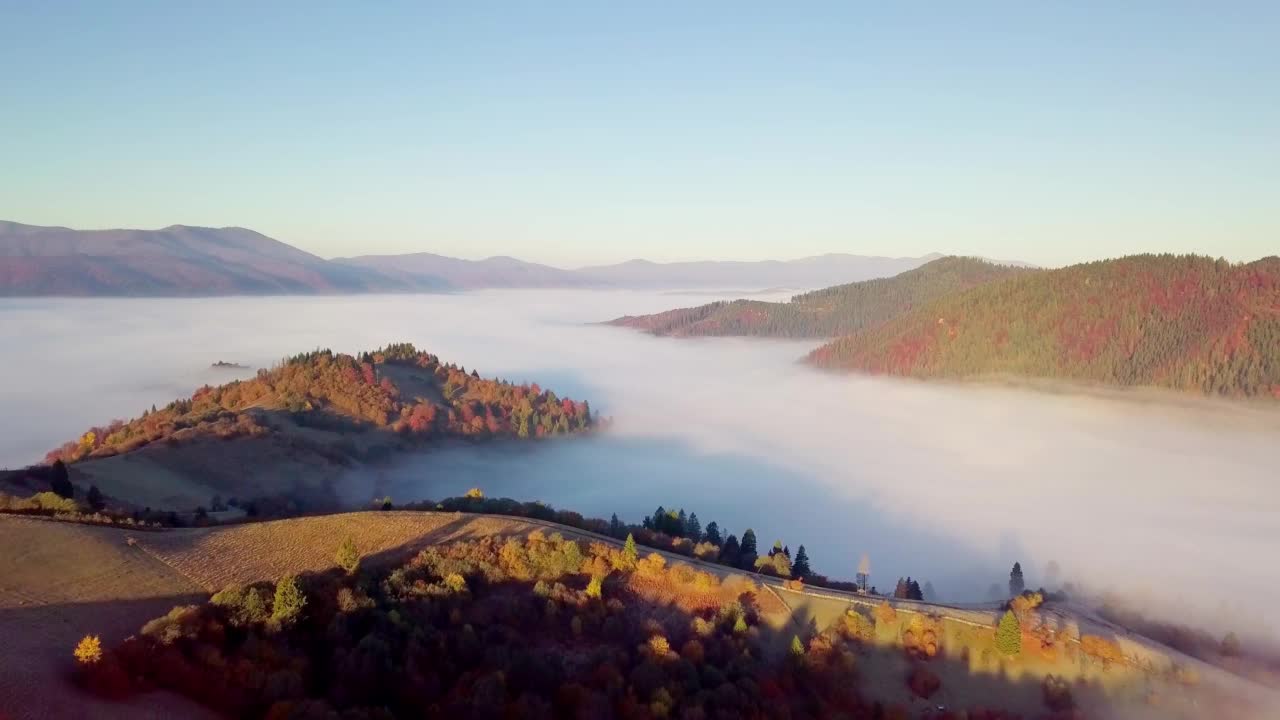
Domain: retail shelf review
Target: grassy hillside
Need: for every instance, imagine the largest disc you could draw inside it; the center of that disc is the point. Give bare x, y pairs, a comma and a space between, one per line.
830, 312
285, 434
1182, 322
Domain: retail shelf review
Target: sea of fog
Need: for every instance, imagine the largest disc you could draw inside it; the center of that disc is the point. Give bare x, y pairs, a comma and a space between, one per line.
1177, 502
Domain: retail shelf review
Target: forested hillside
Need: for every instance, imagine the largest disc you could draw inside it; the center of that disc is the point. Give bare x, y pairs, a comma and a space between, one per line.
829, 312
396, 388
1183, 322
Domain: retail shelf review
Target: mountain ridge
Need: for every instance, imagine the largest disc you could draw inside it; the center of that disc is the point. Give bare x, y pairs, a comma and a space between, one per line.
195, 261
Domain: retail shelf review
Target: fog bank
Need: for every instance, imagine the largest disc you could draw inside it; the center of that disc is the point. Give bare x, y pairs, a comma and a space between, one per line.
946, 483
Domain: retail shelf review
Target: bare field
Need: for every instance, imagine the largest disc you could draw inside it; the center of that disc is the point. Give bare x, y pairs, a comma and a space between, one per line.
60, 582
215, 557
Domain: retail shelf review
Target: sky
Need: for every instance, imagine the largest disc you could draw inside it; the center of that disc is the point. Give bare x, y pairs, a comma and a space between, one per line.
580, 133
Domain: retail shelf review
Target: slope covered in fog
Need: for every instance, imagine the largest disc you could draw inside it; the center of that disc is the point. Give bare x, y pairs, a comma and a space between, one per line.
1182, 322
829, 312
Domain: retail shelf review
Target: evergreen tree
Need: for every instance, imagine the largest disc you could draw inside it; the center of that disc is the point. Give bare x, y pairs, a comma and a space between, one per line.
797, 647
1009, 634
629, 549
1016, 583
913, 590
713, 533
289, 600
776, 549
615, 526
929, 593
747, 550
786, 550
95, 498
681, 525
693, 528
731, 551
60, 483
800, 568
348, 557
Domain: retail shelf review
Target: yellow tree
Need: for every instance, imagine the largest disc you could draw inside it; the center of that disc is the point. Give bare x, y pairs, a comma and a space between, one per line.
89, 651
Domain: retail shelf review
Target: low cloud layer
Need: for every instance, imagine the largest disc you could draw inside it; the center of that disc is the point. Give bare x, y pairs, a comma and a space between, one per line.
946, 483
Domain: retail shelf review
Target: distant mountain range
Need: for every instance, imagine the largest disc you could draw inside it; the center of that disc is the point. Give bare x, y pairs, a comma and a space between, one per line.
181, 260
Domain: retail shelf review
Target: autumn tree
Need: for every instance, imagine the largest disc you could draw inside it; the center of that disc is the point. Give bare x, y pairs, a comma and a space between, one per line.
1009, 634
89, 650
348, 557
1016, 583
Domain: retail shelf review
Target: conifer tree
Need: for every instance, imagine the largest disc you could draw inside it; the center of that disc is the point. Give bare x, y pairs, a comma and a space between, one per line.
800, 568
747, 550
629, 549
731, 551
615, 526
713, 533
289, 600
693, 528
348, 557
1009, 634
1016, 583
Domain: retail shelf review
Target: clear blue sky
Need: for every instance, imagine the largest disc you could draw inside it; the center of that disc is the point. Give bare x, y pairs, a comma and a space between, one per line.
592, 132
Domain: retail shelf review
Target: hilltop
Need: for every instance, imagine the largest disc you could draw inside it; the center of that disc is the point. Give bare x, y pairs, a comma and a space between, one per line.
830, 312
278, 442
1187, 323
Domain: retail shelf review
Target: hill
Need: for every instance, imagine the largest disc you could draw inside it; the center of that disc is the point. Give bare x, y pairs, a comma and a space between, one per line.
177, 260
280, 441
471, 615
830, 312
1182, 322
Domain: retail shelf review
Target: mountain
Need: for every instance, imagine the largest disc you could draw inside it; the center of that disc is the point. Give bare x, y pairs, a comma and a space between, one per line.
182, 260
429, 270
830, 312
809, 272
177, 260
1180, 322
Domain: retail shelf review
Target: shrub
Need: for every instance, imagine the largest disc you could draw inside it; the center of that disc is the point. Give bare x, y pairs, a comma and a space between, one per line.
1009, 634
89, 650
